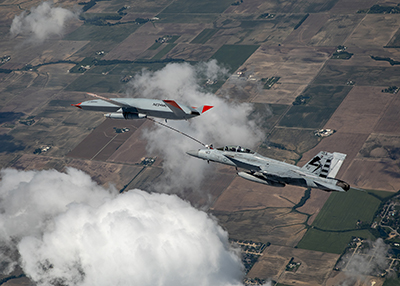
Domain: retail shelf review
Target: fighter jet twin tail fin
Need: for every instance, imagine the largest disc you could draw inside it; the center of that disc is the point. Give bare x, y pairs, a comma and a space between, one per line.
325, 164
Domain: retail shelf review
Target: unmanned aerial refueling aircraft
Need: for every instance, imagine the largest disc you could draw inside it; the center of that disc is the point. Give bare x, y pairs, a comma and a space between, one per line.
138, 108
318, 173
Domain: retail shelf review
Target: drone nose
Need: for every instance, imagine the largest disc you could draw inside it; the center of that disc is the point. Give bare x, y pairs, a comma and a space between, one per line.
77, 105
194, 153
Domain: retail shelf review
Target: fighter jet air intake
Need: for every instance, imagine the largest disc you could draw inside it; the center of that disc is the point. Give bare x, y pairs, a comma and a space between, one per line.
318, 173
138, 108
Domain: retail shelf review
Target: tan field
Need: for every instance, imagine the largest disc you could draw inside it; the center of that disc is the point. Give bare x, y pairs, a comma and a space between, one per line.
103, 141
387, 123
314, 269
336, 30
345, 6
276, 225
360, 110
244, 195
374, 31
296, 68
142, 39
303, 34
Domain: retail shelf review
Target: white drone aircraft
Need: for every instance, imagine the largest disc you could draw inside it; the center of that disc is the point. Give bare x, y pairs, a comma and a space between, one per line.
138, 108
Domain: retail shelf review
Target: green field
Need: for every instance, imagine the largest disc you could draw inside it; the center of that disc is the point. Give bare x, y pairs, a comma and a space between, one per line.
163, 52
233, 56
361, 75
204, 36
342, 210
152, 6
186, 18
391, 282
155, 46
306, 116
319, 6
125, 69
326, 95
336, 222
96, 83
332, 242
321, 103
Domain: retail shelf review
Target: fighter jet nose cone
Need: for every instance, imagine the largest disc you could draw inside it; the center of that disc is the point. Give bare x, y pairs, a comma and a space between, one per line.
194, 153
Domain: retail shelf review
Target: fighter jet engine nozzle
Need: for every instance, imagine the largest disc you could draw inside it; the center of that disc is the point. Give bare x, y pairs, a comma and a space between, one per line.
345, 186
257, 179
125, 115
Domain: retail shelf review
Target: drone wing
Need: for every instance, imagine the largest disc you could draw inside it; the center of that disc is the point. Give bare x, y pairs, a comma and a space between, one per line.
117, 103
175, 108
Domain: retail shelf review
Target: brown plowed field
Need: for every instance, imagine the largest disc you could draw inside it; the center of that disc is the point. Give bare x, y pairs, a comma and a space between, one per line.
374, 31
279, 226
360, 110
296, 67
374, 174
314, 204
346, 6
390, 119
303, 34
336, 29
102, 137
314, 269
246, 195
134, 149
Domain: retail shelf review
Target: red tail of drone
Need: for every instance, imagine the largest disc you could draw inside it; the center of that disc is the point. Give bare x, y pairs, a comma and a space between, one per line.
204, 108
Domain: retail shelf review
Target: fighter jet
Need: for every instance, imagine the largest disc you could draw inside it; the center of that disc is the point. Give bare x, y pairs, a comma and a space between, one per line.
138, 108
318, 173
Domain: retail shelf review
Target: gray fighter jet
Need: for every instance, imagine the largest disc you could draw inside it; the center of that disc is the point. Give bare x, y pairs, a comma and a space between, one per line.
138, 108
318, 173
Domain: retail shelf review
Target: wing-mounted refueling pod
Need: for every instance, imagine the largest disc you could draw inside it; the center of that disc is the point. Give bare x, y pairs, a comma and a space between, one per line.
259, 178
125, 115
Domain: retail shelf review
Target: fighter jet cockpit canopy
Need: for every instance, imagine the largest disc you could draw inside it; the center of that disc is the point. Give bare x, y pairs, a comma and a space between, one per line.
235, 149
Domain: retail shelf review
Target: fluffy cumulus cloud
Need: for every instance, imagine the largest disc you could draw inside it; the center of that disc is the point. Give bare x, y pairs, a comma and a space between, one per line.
225, 124
63, 229
41, 22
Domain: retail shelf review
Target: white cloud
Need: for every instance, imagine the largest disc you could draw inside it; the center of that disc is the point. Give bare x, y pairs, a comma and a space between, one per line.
69, 231
370, 261
41, 22
225, 124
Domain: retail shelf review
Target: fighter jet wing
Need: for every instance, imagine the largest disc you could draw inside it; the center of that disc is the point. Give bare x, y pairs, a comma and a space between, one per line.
244, 164
175, 108
117, 103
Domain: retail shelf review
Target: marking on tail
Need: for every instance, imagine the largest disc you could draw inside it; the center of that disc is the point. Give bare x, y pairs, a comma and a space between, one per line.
206, 107
325, 164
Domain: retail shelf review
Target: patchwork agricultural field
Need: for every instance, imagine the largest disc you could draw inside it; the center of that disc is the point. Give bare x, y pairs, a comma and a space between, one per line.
337, 221
278, 60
